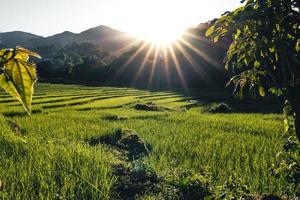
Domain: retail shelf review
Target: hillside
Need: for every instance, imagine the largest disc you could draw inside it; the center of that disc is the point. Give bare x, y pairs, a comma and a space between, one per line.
15, 38
102, 36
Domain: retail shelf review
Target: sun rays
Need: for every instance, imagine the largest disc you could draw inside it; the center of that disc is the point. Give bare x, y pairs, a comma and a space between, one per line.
164, 60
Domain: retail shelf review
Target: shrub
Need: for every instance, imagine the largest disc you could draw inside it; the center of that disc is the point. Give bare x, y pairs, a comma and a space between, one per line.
147, 107
116, 118
191, 186
219, 108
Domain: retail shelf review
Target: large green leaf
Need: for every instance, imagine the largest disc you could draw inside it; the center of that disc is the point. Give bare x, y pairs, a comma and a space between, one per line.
19, 75
23, 76
9, 87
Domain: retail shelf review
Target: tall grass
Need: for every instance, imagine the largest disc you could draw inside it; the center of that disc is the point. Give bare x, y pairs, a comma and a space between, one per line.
52, 160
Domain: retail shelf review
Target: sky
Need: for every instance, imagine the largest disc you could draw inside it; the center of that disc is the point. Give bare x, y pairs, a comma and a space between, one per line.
48, 17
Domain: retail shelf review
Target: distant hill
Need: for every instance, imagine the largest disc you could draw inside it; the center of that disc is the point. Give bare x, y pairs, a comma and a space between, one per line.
101, 36
12, 39
106, 37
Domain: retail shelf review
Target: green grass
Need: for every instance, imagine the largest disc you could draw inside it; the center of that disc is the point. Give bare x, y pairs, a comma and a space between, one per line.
53, 160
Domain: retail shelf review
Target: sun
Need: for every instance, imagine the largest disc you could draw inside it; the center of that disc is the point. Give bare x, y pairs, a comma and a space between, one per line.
157, 21
160, 34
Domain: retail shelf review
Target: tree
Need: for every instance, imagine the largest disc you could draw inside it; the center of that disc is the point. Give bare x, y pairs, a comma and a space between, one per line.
265, 52
18, 74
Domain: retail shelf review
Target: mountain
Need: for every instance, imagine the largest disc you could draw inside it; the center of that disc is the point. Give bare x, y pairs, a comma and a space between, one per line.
61, 39
15, 38
101, 36
106, 37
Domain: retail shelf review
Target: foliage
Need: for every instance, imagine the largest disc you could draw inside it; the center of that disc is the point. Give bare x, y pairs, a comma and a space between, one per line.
233, 188
218, 108
81, 62
265, 56
18, 74
265, 51
191, 185
288, 159
288, 167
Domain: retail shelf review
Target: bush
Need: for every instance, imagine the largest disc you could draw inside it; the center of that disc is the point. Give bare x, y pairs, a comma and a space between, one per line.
147, 107
191, 186
219, 108
288, 167
116, 118
232, 188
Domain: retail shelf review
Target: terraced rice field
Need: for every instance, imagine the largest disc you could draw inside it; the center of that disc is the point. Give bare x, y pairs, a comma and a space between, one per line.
47, 156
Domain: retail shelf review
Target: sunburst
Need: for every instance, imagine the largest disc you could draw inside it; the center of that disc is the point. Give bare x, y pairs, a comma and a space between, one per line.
166, 56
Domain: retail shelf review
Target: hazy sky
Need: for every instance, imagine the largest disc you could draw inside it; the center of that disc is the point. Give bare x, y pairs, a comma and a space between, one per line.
47, 17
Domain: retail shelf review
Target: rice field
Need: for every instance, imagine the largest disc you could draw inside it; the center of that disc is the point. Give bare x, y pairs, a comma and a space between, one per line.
47, 156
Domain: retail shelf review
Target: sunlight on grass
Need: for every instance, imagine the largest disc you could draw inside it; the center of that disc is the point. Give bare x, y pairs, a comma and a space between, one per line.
54, 143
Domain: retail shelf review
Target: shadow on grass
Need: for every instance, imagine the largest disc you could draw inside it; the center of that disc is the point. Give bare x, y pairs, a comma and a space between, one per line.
21, 114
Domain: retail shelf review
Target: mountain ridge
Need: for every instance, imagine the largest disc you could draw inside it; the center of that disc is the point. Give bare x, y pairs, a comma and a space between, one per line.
102, 36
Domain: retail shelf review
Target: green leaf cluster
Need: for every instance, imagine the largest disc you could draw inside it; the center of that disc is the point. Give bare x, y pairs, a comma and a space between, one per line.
18, 74
288, 167
265, 37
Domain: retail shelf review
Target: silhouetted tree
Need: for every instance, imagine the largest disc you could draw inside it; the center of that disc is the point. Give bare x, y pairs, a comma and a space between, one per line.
265, 52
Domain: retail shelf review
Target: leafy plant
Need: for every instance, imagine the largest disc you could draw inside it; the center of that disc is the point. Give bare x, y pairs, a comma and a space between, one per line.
233, 188
288, 167
288, 159
18, 74
218, 108
265, 49
192, 185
